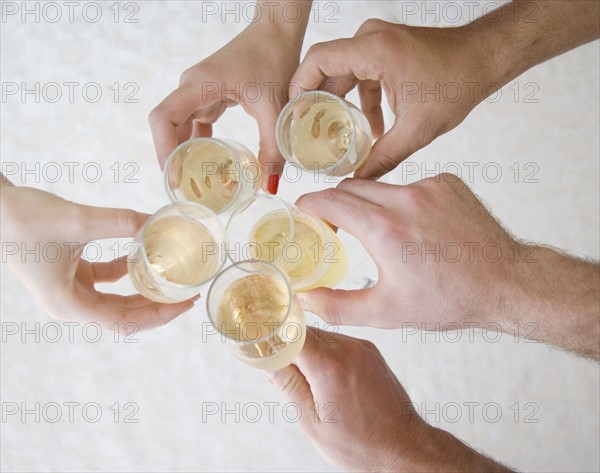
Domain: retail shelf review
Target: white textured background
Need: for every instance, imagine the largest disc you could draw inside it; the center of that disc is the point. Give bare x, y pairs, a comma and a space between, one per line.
170, 372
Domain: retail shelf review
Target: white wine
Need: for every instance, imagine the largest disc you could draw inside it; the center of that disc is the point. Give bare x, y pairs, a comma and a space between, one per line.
314, 252
324, 133
208, 175
255, 312
179, 250
321, 135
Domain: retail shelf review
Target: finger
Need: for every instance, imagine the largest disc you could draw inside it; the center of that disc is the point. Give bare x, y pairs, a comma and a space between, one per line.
344, 210
132, 301
184, 132
154, 314
202, 130
339, 86
172, 113
294, 386
369, 92
211, 114
96, 223
387, 153
339, 307
269, 157
109, 271
378, 193
338, 58
106, 309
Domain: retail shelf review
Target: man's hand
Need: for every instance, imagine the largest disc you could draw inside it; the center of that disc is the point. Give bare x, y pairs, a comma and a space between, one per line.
434, 77
445, 263
253, 70
359, 416
62, 282
430, 241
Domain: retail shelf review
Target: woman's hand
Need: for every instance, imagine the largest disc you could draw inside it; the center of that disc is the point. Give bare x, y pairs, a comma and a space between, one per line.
43, 237
253, 70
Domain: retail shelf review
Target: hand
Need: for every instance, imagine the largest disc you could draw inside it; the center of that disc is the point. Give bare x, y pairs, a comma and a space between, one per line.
405, 62
441, 257
55, 273
358, 415
433, 77
253, 70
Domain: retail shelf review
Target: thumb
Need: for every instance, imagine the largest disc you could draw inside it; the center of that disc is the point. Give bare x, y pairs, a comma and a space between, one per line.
102, 222
294, 386
387, 153
337, 306
269, 157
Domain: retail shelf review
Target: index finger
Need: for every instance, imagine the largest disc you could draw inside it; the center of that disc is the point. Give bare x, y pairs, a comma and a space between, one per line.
172, 113
347, 211
337, 58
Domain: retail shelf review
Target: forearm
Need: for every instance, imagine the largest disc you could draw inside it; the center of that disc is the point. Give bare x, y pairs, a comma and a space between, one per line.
525, 33
560, 296
440, 451
288, 18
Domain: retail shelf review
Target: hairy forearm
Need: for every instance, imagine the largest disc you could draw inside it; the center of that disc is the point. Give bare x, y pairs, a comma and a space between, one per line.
440, 451
525, 33
560, 295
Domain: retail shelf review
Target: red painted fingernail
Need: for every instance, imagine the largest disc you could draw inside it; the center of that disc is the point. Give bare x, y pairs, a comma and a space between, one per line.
273, 183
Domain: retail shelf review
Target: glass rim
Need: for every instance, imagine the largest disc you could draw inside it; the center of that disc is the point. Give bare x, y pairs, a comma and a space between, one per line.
252, 262
285, 110
245, 204
146, 261
207, 139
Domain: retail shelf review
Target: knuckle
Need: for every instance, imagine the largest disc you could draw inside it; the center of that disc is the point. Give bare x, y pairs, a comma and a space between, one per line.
332, 312
382, 37
128, 220
451, 179
334, 369
184, 76
387, 162
413, 196
156, 114
330, 194
316, 49
372, 24
384, 225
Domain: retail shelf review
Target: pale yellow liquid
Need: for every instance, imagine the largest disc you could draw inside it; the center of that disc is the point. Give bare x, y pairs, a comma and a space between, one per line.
321, 135
309, 254
209, 176
179, 250
253, 308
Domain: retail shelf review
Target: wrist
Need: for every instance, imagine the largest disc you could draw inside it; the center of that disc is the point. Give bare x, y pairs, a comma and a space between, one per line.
285, 20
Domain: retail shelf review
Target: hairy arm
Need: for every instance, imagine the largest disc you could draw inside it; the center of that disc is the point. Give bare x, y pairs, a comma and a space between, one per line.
525, 33
560, 294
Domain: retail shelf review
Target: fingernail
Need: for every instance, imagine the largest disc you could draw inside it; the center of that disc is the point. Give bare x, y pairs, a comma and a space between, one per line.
195, 298
273, 183
186, 308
